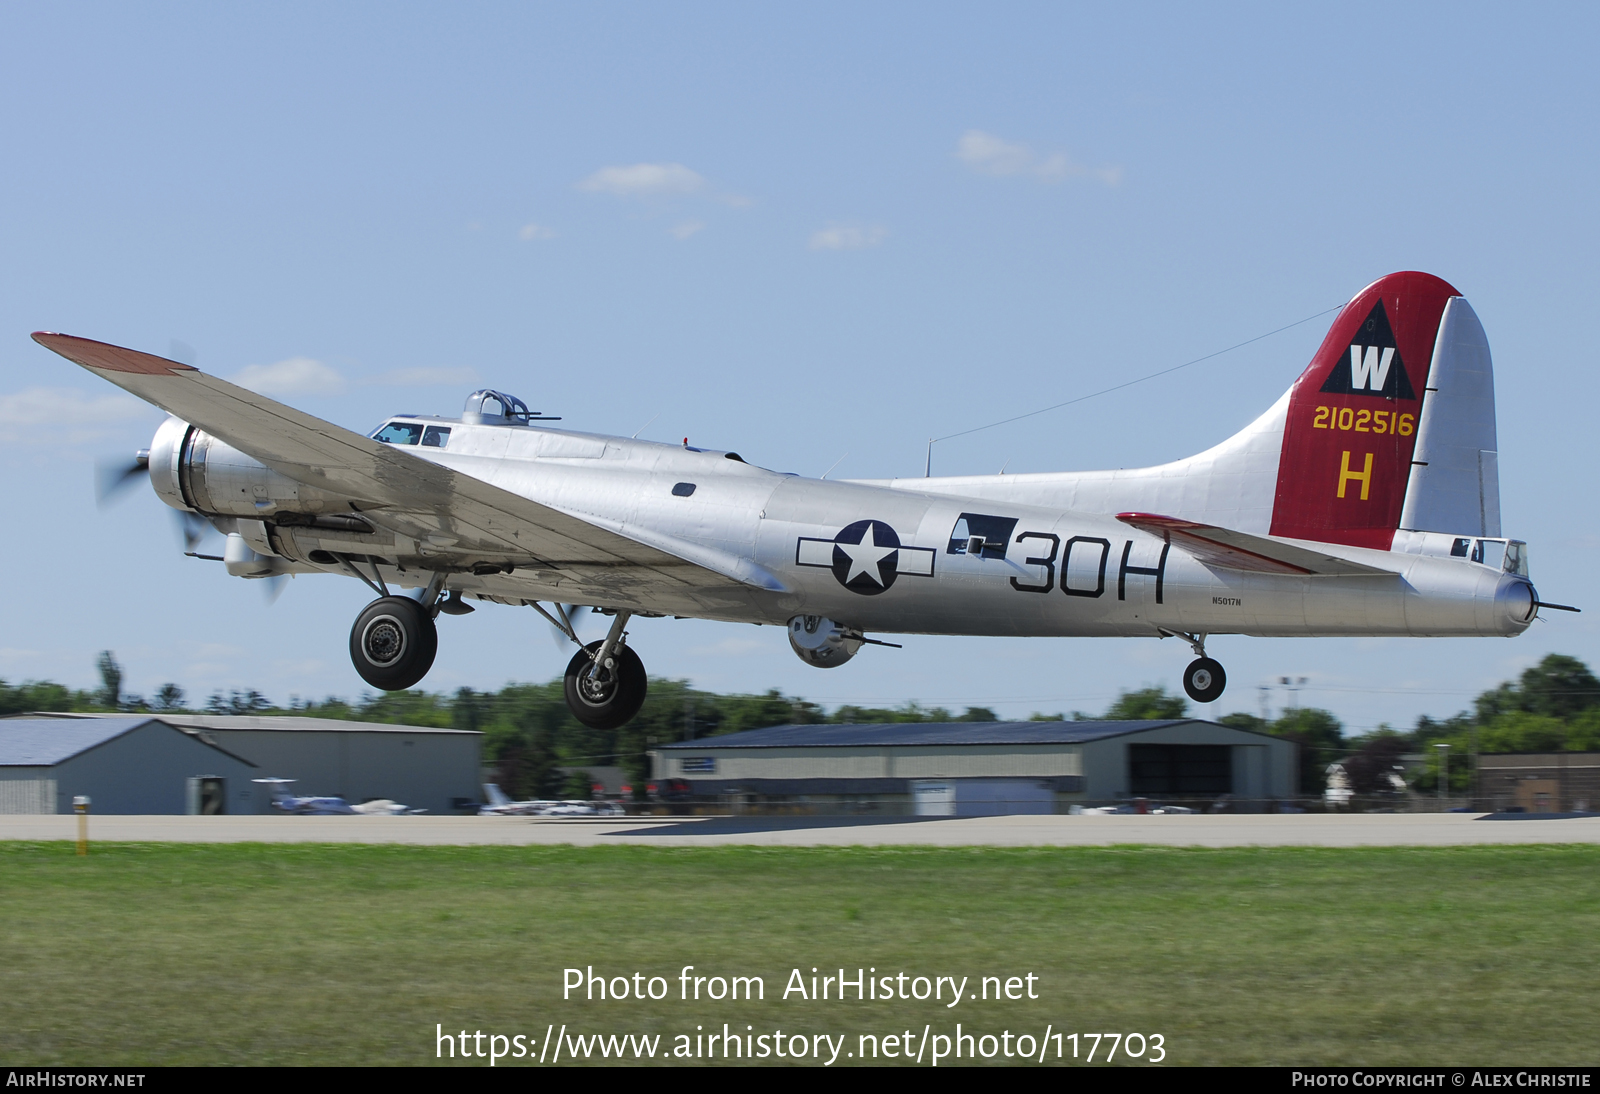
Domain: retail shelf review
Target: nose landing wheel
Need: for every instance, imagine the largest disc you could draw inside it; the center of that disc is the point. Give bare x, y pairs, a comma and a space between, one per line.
1204, 680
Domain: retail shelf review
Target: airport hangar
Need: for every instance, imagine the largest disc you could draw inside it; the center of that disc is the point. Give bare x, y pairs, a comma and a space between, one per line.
983, 768
138, 763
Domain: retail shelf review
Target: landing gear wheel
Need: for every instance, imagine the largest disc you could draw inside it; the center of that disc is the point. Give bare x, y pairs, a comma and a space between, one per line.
1204, 680
393, 643
611, 698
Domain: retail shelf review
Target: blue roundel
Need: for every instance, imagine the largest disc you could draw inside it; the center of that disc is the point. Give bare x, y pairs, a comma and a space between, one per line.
866, 556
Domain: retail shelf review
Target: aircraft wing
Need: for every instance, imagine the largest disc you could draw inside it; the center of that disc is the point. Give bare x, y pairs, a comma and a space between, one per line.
379, 476
1230, 550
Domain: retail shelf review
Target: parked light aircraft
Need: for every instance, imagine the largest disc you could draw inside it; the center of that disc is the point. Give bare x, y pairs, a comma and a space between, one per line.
501, 805
286, 802
1365, 501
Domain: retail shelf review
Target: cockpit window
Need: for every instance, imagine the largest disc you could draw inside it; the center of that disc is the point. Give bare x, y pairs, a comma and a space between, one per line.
437, 436
399, 433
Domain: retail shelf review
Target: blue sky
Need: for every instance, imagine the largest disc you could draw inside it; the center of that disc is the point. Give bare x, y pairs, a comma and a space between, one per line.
815, 234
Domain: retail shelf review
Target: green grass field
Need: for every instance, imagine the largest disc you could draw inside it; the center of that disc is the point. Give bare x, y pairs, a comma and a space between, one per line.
170, 954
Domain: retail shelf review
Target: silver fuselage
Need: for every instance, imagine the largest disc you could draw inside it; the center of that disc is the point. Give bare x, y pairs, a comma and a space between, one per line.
1056, 572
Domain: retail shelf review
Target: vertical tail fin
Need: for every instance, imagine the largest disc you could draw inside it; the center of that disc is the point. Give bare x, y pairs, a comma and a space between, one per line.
1392, 424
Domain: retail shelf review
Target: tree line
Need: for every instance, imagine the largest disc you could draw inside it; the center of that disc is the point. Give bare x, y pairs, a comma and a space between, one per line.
538, 749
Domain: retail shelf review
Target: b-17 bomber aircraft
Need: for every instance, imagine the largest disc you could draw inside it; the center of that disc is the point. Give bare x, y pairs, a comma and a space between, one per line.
1365, 501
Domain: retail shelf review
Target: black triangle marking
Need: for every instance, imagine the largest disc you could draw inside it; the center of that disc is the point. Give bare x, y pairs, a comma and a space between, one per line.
1372, 361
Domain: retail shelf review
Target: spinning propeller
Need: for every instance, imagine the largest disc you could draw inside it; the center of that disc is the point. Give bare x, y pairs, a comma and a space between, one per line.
569, 612
112, 479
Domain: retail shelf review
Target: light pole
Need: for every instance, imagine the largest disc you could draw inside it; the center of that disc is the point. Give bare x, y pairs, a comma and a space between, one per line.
1444, 768
1293, 684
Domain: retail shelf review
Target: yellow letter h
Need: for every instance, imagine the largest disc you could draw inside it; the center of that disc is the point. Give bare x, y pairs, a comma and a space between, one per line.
1365, 475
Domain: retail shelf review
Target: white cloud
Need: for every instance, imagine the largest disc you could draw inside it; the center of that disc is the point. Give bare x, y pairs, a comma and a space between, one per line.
847, 237
294, 376
530, 232
66, 415
642, 179
422, 377
56, 406
991, 155
686, 229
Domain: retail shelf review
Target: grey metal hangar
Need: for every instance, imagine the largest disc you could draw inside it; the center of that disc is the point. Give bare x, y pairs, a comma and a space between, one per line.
981, 768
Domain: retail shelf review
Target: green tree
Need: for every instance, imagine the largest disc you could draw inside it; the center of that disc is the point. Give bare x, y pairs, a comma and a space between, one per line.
1559, 686
578, 786
527, 767
1321, 739
110, 694
466, 711
911, 712
1147, 704
1376, 757
40, 696
168, 698
238, 702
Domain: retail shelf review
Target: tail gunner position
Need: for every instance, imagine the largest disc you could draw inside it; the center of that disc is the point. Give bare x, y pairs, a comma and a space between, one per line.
1365, 501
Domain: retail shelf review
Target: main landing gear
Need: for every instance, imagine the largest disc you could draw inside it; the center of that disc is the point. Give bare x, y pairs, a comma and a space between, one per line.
1204, 679
394, 640
605, 683
393, 643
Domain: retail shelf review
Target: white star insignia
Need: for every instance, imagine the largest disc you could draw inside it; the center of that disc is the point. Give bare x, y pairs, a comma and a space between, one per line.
865, 557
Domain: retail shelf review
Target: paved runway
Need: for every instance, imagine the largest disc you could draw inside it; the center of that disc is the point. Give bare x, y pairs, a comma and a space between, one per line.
1307, 830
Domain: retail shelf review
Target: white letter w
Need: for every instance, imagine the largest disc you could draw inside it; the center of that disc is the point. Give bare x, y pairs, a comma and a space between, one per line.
1371, 370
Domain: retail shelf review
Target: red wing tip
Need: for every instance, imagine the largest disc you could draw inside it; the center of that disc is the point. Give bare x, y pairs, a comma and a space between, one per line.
102, 355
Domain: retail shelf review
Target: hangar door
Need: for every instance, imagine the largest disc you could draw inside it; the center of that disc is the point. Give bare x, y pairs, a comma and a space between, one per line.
1180, 769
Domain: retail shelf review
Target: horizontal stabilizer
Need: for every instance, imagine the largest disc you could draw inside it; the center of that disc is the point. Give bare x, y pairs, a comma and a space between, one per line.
1230, 550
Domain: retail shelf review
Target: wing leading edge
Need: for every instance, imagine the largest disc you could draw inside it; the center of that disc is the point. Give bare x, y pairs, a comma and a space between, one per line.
333, 459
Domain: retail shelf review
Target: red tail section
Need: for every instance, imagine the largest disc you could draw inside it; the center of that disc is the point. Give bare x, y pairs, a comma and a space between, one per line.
1353, 416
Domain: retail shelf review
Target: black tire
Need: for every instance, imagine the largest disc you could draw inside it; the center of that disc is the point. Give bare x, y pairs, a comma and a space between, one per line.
393, 643
1204, 680
610, 703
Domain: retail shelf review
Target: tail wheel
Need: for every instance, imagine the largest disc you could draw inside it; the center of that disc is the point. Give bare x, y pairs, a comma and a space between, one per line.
609, 698
1204, 680
393, 643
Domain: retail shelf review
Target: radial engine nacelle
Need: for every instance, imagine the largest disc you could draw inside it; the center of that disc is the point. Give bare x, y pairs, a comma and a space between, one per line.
822, 642
190, 469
